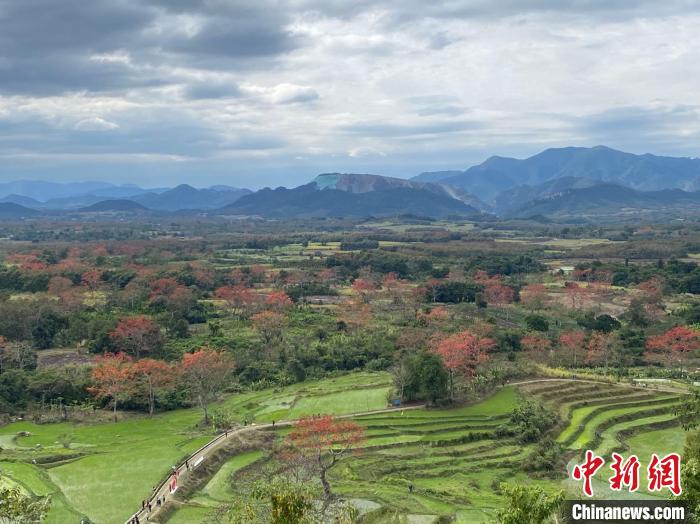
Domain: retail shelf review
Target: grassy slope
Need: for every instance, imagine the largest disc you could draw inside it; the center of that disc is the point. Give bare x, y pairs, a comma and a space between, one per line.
217, 491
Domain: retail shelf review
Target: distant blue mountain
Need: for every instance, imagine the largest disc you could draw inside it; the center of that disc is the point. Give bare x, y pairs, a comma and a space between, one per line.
188, 197
353, 195
117, 205
606, 200
12, 211
21, 200
642, 172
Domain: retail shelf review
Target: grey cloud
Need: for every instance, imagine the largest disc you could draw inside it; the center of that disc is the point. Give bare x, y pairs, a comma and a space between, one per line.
660, 130
49, 46
245, 35
434, 105
254, 142
407, 130
156, 132
293, 94
55, 73
45, 46
638, 121
409, 10
210, 89
31, 27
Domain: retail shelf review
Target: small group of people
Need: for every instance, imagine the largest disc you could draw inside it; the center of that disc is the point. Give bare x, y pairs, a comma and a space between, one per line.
147, 506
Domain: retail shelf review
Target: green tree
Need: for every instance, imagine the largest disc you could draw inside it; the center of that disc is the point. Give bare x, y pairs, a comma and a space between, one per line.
420, 376
47, 325
18, 508
531, 420
529, 504
537, 323
433, 377
636, 315
689, 411
690, 474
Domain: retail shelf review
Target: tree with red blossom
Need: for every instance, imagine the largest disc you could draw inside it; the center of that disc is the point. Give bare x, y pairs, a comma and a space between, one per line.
674, 346
270, 325
573, 343
27, 261
364, 289
430, 289
324, 441
239, 278
205, 373
137, 335
168, 293
577, 294
59, 285
536, 346
651, 296
394, 287
155, 376
91, 279
258, 273
240, 299
499, 294
327, 275
462, 353
436, 314
599, 349
355, 315
482, 277
535, 296
112, 378
278, 300
651, 290
204, 277
99, 250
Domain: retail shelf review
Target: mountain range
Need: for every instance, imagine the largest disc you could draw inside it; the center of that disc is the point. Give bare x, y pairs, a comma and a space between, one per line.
643, 172
72, 197
356, 195
607, 200
560, 183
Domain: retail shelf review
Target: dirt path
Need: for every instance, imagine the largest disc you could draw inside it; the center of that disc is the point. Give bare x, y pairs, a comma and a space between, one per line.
654, 386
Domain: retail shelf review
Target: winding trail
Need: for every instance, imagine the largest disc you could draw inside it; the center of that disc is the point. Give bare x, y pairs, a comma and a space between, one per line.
162, 490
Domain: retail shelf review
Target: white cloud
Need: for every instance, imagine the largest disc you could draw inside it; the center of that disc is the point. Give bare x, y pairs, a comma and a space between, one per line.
95, 124
291, 94
360, 152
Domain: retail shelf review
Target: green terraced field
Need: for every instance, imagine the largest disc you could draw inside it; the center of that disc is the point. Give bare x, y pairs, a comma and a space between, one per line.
455, 462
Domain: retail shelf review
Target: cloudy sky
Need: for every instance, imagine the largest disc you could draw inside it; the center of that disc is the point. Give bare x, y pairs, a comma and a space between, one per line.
264, 92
